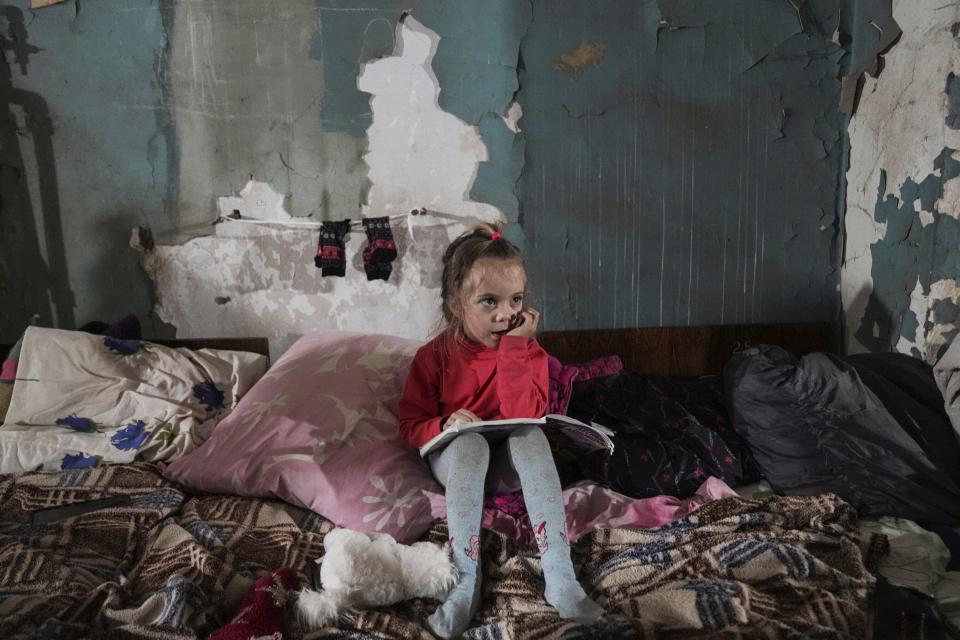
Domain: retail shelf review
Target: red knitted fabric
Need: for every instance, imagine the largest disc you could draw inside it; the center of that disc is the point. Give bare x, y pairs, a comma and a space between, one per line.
260, 612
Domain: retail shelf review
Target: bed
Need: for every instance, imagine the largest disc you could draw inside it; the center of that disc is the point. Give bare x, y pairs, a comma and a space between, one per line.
121, 550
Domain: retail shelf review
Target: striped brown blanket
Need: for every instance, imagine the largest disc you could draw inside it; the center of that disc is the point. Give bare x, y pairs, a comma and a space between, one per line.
165, 563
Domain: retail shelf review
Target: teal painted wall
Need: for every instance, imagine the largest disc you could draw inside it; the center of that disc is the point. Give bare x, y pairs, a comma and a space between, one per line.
86, 155
690, 172
691, 175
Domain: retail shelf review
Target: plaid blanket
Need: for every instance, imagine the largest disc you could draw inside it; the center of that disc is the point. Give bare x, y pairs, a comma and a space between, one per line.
169, 564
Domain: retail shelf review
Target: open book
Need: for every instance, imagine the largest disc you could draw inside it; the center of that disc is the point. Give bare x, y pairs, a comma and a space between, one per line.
590, 437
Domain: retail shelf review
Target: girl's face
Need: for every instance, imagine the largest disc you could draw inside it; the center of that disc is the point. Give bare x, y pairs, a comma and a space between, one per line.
491, 294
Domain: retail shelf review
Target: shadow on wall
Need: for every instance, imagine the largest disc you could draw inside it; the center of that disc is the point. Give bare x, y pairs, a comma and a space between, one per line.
875, 332
118, 270
924, 329
32, 251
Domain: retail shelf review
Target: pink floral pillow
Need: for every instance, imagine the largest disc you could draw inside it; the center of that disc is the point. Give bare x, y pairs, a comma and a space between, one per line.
319, 429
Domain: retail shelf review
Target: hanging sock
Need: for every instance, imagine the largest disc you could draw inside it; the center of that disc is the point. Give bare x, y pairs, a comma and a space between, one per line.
381, 249
331, 253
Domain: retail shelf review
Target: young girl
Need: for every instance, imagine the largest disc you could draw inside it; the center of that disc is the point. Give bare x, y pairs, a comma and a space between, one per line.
487, 365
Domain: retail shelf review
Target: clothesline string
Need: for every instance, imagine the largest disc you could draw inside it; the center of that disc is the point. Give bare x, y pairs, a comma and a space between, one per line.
355, 225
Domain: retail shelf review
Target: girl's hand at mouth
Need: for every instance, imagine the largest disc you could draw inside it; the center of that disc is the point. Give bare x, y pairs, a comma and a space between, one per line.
524, 324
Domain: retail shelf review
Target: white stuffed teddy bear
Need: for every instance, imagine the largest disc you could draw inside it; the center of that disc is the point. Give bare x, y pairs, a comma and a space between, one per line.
370, 570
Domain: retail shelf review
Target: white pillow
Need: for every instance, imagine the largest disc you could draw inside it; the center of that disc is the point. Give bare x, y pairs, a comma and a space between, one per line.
81, 398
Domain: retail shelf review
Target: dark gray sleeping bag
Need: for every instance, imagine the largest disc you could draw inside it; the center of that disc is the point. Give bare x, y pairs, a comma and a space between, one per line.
870, 428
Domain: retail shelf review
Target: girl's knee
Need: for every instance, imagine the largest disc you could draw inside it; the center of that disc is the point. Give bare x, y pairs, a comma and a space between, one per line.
471, 441
529, 435
471, 447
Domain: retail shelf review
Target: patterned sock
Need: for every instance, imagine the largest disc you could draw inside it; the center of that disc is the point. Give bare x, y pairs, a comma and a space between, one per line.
376, 270
381, 249
461, 468
331, 253
260, 612
530, 453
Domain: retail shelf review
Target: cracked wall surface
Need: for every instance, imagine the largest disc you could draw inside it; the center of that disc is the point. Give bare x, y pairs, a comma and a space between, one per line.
901, 263
369, 108
262, 281
475, 64
690, 174
245, 96
660, 162
194, 100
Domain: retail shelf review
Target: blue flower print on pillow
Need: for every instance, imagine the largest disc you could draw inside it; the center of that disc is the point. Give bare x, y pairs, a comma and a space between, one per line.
123, 347
208, 395
131, 436
83, 425
79, 461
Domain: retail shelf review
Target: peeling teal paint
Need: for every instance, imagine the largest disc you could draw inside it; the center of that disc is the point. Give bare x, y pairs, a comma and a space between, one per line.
477, 73
475, 66
945, 311
246, 99
689, 177
349, 36
952, 90
781, 21
478, 79
692, 177
868, 30
497, 177
909, 253
127, 85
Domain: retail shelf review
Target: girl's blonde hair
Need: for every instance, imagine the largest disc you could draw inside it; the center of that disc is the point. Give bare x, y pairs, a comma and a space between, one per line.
485, 240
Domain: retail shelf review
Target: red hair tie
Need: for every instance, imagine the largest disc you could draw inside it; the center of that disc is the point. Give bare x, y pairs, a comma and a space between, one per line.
495, 235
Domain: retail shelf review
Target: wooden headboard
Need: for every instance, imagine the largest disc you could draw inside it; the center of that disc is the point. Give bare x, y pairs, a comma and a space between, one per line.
683, 352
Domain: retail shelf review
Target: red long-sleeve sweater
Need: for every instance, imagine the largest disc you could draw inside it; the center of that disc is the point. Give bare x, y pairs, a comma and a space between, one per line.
510, 381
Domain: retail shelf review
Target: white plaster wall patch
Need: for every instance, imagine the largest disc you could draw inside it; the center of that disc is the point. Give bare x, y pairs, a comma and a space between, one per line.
949, 204
898, 128
248, 280
256, 200
419, 155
